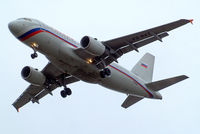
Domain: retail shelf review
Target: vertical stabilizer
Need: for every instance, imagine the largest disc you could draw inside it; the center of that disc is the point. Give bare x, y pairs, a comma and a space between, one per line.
144, 67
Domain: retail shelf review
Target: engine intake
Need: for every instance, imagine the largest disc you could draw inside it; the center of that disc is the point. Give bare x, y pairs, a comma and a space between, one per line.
93, 46
33, 76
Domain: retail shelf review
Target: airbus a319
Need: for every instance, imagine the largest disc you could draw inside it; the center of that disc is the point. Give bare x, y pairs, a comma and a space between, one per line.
89, 60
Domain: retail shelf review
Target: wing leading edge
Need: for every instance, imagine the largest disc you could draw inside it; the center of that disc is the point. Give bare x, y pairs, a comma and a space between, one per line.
146, 34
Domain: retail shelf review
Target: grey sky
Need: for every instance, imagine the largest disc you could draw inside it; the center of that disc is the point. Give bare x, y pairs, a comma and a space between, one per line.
93, 109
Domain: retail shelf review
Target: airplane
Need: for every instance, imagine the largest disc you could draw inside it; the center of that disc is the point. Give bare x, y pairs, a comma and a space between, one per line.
91, 61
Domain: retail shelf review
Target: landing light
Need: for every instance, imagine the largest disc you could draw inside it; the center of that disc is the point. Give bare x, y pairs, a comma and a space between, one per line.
34, 45
89, 61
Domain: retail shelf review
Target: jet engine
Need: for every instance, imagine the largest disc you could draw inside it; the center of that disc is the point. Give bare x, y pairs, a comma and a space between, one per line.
33, 76
93, 46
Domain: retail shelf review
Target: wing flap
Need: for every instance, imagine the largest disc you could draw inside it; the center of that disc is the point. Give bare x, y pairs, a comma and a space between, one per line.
44, 92
35, 93
142, 43
130, 100
132, 38
26, 96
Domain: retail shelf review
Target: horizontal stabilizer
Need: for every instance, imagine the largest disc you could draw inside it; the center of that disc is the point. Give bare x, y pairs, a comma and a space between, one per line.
130, 100
158, 85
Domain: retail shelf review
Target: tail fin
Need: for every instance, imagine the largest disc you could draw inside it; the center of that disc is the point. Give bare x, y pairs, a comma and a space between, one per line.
144, 67
158, 85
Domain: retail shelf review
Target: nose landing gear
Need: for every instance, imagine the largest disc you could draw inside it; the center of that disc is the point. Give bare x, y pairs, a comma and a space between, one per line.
34, 46
34, 55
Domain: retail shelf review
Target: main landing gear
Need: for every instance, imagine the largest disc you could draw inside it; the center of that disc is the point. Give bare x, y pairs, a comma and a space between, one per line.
66, 91
105, 72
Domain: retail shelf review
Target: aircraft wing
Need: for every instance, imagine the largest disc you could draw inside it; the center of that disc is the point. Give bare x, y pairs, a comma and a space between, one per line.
134, 41
125, 44
140, 39
35, 93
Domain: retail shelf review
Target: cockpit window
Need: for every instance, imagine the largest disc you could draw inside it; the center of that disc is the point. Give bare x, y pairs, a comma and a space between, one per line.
33, 21
27, 19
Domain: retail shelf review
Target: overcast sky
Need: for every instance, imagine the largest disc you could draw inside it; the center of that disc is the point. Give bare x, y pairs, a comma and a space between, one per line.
93, 109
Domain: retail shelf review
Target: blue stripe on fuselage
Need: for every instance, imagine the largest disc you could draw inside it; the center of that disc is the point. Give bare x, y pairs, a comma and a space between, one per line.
148, 92
29, 32
37, 29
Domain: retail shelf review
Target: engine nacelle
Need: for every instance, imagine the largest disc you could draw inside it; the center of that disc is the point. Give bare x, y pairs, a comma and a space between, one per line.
33, 76
93, 46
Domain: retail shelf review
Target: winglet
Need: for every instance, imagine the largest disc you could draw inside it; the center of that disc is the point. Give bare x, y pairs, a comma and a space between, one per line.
191, 21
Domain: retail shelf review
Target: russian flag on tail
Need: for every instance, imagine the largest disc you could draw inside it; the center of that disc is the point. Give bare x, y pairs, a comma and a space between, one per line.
144, 65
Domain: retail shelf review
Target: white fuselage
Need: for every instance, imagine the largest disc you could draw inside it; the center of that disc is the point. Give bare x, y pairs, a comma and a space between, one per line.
59, 49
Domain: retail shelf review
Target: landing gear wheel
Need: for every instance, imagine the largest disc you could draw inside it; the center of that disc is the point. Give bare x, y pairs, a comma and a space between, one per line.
68, 91
34, 55
63, 93
102, 74
107, 71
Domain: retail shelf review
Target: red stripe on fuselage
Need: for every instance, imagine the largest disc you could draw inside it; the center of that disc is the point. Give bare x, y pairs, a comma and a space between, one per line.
62, 39
31, 34
39, 31
133, 80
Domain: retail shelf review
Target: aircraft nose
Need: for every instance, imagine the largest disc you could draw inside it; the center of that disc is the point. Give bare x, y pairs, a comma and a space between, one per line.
15, 27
